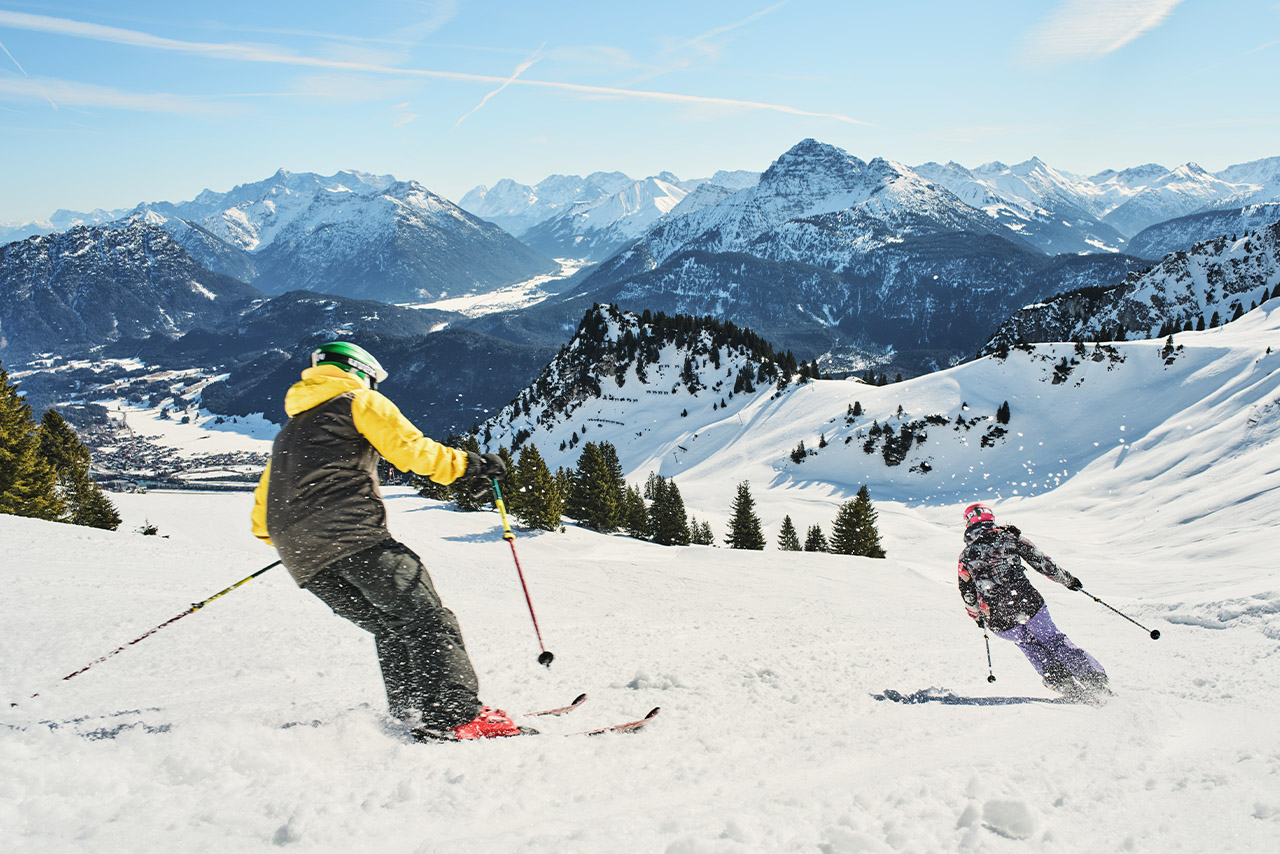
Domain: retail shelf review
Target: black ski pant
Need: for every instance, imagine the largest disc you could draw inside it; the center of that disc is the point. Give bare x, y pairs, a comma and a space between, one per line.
386, 591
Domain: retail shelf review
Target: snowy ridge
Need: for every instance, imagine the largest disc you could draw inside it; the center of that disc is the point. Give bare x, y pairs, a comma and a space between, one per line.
809, 180
1213, 283
1184, 232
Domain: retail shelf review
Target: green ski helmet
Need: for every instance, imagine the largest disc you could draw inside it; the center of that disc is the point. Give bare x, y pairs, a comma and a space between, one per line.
349, 357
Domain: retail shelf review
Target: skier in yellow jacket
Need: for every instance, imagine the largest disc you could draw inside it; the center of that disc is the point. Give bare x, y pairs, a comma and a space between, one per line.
319, 504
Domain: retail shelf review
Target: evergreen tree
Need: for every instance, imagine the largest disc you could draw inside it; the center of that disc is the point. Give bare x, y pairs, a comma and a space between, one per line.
700, 533
788, 540
594, 498
1002, 413
667, 517
854, 531
617, 484
635, 516
706, 537
541, 501
84, 500
744, 524
28, 482
815, 540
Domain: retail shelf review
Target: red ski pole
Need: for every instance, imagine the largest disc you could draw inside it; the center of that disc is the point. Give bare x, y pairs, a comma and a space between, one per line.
546, 657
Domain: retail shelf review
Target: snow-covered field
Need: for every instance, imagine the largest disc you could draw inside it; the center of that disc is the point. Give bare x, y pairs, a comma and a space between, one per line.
519, 295
256, 723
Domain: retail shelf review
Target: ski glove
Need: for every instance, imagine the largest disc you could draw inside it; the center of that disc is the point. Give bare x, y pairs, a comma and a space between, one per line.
1075, 584
485, 465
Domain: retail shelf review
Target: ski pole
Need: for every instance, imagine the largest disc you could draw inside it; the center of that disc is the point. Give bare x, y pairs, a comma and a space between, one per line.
991, 676
546, 657
1155, 633
195, 607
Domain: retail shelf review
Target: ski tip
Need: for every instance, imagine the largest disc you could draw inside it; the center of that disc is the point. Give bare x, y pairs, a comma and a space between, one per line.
654, 711
581, 698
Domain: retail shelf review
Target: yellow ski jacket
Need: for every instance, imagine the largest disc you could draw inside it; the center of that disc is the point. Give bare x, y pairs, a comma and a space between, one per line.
318, 499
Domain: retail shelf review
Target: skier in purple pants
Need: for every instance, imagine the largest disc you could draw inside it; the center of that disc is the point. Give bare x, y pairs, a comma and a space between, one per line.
997, 594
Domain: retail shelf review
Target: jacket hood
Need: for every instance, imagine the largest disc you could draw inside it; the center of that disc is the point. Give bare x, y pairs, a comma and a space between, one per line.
318, 385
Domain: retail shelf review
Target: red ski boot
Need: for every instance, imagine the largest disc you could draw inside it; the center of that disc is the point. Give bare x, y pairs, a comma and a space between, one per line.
488, 723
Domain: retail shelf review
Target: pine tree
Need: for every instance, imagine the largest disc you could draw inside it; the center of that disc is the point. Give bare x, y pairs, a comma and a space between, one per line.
84, 500
594, 499
667, 517
541, 502
744, 524
854, 530
815, 540
700, 533
635, 516
1002, 413
788, 540
28, 482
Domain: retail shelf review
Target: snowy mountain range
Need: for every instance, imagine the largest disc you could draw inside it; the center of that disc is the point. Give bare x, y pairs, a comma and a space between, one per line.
591, 218
1052, 209
1216, 281
831, 254
350, 234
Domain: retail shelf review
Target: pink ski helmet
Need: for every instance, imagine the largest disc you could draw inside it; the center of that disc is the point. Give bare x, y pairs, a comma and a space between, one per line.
975, 513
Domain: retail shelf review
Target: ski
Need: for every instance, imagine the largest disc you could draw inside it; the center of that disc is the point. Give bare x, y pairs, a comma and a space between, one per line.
629, 726
547, 713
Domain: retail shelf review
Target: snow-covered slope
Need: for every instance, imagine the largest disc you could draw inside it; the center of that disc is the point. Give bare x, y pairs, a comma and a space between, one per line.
256, 722
1179, 235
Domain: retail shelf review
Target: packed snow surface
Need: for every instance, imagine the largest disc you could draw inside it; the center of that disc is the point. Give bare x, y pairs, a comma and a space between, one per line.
810, 702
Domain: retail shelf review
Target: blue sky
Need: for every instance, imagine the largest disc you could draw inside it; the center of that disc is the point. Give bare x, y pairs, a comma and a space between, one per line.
106, 104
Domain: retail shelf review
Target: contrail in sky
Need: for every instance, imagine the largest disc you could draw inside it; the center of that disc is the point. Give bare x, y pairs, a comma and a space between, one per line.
26, 75
251, 53
520, 69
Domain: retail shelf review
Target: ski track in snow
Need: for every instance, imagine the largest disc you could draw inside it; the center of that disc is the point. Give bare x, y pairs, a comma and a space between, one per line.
256, 723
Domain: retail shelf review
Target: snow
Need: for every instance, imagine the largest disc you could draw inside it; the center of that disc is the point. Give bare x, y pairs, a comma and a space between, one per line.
520, 295
256, 723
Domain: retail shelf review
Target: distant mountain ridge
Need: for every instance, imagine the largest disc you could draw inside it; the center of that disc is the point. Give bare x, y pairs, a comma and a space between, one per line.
1213, 283
352, 233
94, 284
1180, 234
591, 218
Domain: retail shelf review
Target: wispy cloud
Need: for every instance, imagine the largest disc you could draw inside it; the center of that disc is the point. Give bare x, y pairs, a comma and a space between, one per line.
1091, 29
701, 41
268, 54
520, 69
74, 94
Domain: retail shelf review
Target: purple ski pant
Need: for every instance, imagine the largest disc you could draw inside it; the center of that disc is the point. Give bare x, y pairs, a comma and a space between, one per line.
1043, 643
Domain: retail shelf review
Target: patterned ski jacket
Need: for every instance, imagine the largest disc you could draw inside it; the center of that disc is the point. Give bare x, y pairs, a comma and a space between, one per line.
993, 582
318, 499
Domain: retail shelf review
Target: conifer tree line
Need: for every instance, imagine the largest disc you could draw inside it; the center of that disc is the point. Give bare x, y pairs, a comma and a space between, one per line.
596, 495
44, 467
